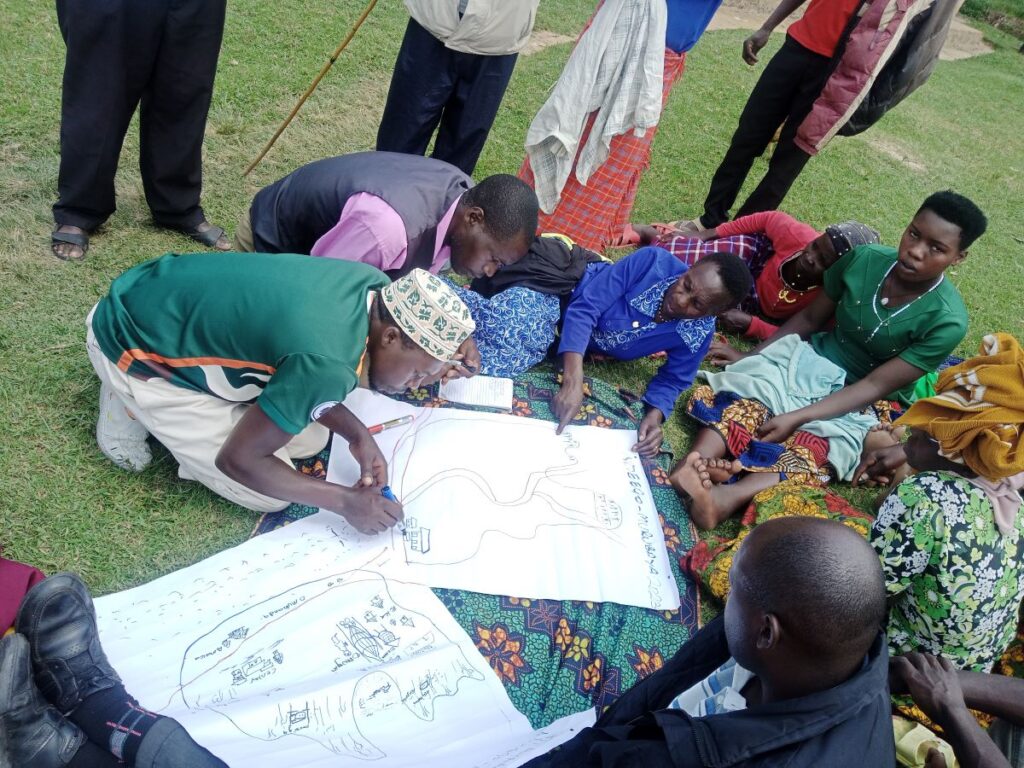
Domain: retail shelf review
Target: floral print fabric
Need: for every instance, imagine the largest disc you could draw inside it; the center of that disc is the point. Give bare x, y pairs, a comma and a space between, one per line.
711, 558
957, 581
514, 328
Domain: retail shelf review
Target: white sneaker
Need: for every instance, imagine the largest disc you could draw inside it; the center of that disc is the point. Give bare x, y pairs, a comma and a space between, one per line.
121, 438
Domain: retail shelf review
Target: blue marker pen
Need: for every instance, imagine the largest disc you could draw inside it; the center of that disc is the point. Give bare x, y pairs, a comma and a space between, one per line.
388, 494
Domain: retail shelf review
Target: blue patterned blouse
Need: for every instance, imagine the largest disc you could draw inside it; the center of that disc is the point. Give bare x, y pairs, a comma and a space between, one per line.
612, 311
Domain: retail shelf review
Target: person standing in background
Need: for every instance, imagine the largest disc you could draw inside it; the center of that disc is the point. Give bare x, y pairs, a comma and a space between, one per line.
120, 55
590, 143
455, 62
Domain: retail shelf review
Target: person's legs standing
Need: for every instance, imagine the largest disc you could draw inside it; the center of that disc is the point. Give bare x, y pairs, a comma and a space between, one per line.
420, 86
175, 104
788, 159
109, 57
769, 104
470, 111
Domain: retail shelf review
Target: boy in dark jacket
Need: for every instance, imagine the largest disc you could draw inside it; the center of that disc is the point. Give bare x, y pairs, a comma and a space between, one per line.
794, 674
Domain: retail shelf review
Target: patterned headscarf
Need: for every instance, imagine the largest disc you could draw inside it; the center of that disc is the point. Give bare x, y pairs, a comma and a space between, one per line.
849, 235
429, 312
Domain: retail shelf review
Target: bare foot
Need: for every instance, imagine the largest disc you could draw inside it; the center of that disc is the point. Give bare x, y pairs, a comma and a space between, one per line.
693, 466
72, 248
691, 477
881, 436
722, 470
896, 430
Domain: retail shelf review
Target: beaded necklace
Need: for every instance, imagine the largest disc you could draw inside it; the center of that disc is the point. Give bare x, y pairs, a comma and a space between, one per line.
884, 322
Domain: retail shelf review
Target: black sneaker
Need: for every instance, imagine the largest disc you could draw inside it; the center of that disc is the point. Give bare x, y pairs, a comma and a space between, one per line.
32, 733
58, 620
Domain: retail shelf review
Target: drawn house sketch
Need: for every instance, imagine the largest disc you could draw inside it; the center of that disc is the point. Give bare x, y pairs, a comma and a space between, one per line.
363, 678
320, 659
485, 493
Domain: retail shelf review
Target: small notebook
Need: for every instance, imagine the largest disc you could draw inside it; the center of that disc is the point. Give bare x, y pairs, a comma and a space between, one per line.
484, 391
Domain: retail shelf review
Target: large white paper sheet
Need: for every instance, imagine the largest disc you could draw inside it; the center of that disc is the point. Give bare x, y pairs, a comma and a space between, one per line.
501, 504
291, 650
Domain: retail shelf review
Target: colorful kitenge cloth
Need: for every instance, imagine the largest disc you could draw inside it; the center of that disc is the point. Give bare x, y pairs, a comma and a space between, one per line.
787, 375
957, 582
596, 213
711, 557
514, 328
560, 657
802, 457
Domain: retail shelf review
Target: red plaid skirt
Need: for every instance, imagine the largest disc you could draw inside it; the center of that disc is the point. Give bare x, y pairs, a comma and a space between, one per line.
594, 215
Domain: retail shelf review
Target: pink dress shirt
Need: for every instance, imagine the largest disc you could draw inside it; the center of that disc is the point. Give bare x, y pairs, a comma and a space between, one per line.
371, 231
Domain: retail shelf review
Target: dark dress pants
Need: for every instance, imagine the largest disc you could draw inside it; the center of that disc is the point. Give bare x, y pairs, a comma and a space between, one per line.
434, 85
161, 54
785, 93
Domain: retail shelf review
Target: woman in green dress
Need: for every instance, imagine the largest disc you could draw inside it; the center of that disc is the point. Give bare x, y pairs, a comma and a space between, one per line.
793, 407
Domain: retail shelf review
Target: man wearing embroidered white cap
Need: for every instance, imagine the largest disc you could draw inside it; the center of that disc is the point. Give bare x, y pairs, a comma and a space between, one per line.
237, 377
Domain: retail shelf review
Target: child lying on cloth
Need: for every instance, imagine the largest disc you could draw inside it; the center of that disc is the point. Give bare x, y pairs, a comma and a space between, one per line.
647, 302
787, 257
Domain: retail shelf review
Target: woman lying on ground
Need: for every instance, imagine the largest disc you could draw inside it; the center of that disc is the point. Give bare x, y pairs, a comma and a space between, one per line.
793, 408
787, 258
951, 536
648, 302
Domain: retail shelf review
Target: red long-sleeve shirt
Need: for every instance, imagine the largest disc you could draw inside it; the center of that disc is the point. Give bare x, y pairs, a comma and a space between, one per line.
788, 236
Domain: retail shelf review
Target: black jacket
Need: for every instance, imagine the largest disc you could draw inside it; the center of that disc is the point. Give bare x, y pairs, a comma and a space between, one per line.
848, 726
550, 266
909, 67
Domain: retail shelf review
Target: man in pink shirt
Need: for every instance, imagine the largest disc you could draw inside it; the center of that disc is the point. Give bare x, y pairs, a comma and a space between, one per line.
395, 212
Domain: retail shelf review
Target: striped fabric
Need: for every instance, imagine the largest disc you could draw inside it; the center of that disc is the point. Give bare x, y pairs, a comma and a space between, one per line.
596, 214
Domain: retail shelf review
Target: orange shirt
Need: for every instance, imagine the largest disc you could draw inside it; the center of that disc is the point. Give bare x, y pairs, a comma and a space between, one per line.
822, 24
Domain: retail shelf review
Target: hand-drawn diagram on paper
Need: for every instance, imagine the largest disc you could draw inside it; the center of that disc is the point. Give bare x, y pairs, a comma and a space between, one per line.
289, 651
501, 504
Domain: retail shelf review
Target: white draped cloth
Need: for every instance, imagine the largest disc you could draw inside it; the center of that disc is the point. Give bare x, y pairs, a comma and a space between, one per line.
616, 70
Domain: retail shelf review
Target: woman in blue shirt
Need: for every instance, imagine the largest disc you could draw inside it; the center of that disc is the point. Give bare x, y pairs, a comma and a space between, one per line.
647, 302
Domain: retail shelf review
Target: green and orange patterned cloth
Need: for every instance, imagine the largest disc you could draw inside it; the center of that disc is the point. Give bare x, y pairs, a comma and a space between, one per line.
560, 657
711, 557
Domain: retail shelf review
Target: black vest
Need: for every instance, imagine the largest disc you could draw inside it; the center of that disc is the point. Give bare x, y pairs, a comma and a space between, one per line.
293, 213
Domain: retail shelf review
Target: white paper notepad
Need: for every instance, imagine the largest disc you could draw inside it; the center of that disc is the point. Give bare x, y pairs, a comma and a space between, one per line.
484, 391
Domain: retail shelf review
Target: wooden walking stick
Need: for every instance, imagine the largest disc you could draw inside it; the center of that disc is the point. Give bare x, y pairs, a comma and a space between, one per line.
313, 85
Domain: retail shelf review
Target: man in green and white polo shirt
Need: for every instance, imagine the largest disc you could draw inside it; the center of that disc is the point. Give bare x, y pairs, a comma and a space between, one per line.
239, 366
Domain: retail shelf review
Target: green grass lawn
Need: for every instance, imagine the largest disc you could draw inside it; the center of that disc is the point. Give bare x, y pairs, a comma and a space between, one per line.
63, 506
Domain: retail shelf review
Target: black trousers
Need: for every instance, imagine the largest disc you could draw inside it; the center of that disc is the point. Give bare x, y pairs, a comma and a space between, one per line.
784, 93
434, 85
161, 54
